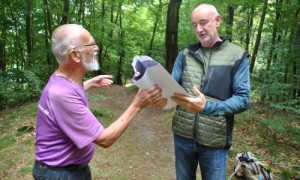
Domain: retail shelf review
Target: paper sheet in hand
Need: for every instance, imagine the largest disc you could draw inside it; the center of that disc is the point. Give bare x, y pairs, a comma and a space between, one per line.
149, 72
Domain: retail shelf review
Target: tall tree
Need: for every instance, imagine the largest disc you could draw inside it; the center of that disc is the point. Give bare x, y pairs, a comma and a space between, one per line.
229, 20
4, 25
158, 15
258, 37
64, 19
294, 49
102, 35
17, 36
81, 12
28, 31
274, 33
121, 50
48, 32
250, 16
171, 33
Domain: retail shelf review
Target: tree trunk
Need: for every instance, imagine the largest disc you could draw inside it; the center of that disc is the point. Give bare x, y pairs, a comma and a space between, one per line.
64, 19
122, 52
80, 11
269, 61
28, 31
258, 37
48, 33
47, 41
155, 26
229, 21
102, 36
249, 26
296, 52
18, 39
2, 55
111, 17
171, 33
3, 39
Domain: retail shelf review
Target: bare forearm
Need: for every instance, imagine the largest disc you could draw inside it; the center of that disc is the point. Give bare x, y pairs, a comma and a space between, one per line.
87, 84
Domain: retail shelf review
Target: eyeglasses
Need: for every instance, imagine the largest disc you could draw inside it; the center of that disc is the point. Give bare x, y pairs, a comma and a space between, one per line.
92, 44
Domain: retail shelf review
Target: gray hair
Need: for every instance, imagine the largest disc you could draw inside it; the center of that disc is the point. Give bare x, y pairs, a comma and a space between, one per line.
65, 38
212, 8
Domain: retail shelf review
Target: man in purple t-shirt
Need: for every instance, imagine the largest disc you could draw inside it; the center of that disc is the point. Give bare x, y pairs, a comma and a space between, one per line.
66, 129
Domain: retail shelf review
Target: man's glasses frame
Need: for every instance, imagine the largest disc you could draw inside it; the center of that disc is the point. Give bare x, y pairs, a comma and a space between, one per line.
92, 44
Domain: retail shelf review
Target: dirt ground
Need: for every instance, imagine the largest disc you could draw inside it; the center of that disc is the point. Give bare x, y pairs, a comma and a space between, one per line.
149, 136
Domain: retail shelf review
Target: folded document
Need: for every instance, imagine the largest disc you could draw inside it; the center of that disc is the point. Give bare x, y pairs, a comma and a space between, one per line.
149, 72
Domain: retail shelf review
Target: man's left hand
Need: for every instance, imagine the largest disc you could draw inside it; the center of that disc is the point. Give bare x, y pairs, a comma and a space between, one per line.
98, 81
196, 104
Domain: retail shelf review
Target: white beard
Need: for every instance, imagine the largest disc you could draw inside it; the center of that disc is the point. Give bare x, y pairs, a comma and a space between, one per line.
93, 65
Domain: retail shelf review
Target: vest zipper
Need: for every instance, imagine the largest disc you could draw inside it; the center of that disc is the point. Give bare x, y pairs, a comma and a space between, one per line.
202, 80
211, 72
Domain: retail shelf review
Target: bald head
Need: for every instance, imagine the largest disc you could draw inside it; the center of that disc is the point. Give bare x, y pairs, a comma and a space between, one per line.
66, 37
206, 20
207, 8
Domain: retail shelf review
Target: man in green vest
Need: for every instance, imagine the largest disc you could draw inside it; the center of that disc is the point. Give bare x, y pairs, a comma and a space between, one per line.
215, 73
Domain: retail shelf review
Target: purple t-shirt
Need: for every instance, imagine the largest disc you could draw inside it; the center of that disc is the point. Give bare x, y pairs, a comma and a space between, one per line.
65, 127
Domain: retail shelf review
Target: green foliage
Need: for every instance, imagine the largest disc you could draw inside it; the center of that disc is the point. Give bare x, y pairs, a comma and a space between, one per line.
17, 87
25, 74
280, 127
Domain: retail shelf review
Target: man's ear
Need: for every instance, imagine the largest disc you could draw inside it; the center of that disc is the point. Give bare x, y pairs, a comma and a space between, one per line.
75, 55
218, 19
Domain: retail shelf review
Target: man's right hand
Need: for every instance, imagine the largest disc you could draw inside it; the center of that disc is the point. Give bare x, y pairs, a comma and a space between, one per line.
161, 103
146, 97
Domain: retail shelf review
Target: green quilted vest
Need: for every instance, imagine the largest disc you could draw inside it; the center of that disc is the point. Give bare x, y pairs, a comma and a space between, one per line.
207, 130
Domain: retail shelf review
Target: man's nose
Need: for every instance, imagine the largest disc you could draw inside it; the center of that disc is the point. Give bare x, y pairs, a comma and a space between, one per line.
96, 48
199, 28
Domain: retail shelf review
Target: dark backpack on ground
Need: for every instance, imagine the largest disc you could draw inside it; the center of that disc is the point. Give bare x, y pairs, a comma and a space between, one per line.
248, 167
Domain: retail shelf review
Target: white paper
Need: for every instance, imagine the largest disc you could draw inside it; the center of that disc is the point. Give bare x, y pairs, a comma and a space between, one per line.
158, 75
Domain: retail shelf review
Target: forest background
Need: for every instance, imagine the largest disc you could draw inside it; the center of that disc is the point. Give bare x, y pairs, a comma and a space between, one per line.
268, 29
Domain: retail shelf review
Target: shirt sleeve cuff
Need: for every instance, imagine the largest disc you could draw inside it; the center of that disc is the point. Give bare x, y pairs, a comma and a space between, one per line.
205, 110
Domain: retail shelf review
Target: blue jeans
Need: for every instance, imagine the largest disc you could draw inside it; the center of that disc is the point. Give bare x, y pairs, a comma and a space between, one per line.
41, 171
188, 153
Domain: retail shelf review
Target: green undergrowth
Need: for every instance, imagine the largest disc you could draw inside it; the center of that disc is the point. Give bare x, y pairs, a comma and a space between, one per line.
269, 134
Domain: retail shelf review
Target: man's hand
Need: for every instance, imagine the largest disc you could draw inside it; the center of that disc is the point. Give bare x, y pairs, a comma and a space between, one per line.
98, 81
193, 104
146, 97
161, 103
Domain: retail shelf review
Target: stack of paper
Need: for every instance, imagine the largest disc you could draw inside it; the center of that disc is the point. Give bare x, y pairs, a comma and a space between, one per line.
149, 72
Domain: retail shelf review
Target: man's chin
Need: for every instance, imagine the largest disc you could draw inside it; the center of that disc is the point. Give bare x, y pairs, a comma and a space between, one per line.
93, 66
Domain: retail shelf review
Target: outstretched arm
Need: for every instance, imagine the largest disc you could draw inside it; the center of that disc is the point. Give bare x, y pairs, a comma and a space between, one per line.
116, 129
98, 81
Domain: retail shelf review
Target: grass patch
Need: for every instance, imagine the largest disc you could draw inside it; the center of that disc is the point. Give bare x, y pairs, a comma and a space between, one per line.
7, 140
24, 129
98, 97
105, 116
26, 170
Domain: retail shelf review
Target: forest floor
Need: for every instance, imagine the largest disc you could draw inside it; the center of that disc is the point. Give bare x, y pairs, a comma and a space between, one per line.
145, 150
